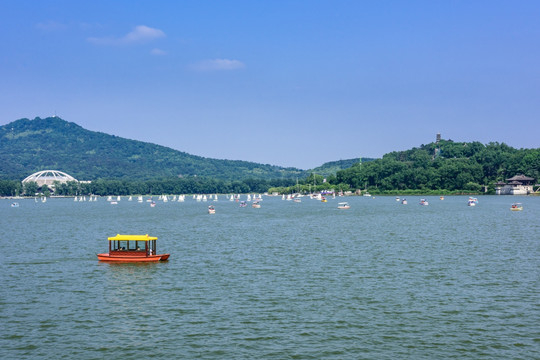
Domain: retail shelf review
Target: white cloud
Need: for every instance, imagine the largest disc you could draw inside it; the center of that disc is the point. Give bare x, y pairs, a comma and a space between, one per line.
140, 34
218, 64
158, 52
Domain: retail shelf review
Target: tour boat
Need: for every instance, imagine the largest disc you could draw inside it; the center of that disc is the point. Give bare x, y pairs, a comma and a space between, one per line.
343, 205
516, 207
132, 248
211, 209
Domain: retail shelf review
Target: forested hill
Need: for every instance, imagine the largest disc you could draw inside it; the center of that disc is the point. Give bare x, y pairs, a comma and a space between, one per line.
27, 146
446, 165
332, 167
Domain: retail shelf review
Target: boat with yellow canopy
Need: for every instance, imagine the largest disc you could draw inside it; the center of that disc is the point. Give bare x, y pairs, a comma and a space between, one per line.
132, 248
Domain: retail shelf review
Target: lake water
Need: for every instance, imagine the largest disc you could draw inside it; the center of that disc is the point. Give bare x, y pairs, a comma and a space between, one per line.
287, 281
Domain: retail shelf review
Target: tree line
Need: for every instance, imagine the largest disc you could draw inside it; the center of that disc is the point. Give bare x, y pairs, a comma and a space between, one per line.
104, 187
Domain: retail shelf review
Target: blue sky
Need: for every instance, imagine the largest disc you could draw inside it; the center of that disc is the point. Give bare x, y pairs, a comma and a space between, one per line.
288, 83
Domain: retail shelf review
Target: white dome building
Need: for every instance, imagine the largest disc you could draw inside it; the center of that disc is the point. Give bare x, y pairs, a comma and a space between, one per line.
48, 177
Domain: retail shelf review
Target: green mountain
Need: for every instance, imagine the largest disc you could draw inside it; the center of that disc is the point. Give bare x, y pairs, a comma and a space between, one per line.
27, 146
445, 165
332, 167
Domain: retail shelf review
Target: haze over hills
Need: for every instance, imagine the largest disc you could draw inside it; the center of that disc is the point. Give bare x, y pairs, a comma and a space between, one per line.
27, 146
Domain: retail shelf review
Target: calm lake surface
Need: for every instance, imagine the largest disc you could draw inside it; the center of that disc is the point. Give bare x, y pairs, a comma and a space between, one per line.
287, 281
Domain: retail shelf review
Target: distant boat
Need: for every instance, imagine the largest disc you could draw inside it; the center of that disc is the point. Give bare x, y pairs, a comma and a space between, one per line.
424, 202
15, 204
472, 201
211, 209
243, 204
397, 198
343, 205
442, 197
256, 205
404, 201
516, 207
153, 204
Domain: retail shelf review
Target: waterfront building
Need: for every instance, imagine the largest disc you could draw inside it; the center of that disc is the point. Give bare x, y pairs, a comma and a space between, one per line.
516, 185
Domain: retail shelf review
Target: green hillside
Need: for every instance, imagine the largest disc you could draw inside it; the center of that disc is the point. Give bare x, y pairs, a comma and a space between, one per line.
332, 167
27, 146
446, 165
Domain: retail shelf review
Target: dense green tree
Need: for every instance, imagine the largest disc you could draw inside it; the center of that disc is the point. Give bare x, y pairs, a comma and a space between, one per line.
30, 188
10, 188
443, 166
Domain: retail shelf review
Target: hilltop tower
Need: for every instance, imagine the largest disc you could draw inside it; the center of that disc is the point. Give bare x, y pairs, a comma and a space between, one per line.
437, 151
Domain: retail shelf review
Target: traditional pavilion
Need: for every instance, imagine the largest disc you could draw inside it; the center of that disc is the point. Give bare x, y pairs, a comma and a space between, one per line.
516, 185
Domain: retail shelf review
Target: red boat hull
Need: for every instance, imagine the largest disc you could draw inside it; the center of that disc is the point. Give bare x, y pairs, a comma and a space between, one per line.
128, 258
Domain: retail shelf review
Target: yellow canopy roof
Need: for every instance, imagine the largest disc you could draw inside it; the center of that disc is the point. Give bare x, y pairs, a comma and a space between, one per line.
132, 237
